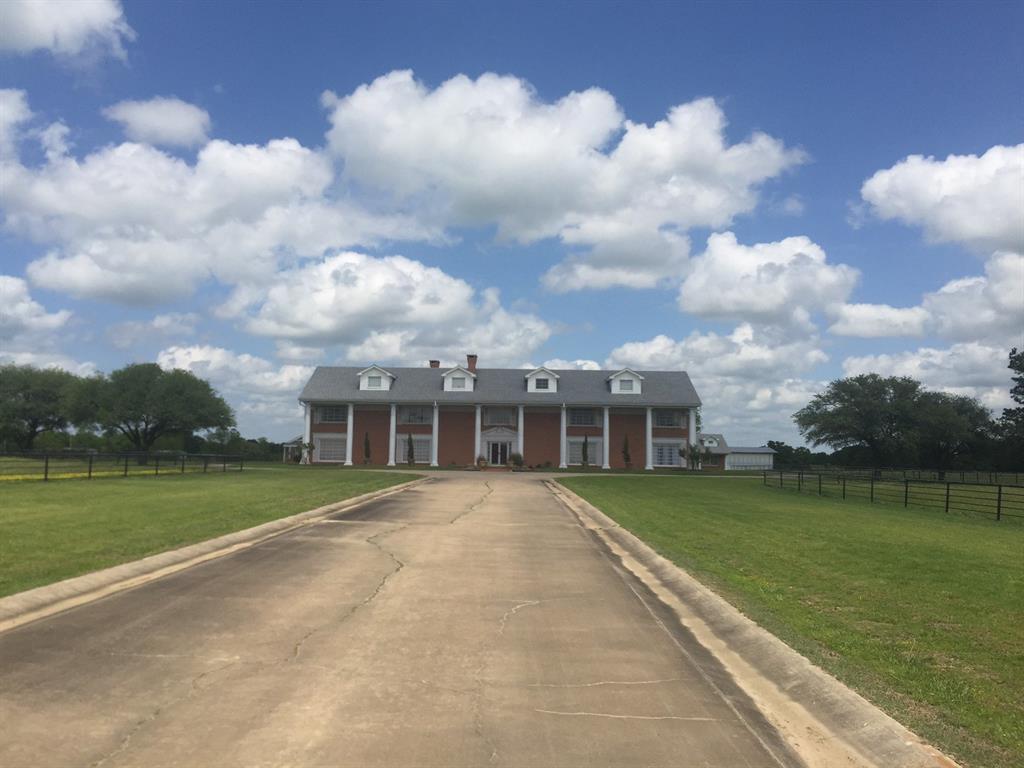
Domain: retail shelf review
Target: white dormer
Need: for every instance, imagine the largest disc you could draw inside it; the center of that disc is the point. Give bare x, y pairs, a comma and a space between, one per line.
458, 379
375, 379
542, 380
626, 382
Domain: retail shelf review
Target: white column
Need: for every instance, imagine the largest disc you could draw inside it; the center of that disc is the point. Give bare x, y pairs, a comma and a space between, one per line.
691, 432
433, 437
307, 435
476, 436
606, 463
562, 464
649, 441
349, 429
522, 432
391, 435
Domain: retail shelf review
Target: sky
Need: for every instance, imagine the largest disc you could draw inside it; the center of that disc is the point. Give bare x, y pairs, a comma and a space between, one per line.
768, 196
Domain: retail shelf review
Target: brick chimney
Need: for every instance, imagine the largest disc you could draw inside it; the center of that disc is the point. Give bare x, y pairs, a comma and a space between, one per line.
435, 363
471, 363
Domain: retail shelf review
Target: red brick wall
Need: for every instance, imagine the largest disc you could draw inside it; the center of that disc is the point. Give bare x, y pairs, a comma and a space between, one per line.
581, 431
456, 440
413, 429
621, 425
376, 421
540, 443
330, 427
669, 431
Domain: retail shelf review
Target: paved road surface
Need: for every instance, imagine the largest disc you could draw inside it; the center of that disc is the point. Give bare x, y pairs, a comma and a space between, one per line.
466, 622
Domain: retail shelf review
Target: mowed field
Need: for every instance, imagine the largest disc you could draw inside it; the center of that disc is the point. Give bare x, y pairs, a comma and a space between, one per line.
918, 610
64, 528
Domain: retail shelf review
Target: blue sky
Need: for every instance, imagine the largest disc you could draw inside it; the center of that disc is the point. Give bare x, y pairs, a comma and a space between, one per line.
767, 195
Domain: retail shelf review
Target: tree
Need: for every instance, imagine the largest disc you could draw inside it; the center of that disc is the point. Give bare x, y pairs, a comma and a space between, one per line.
627, 459
143, 402
586, 451
366, 448
410, 450
948, 428
33, 400
867, 410
788, 456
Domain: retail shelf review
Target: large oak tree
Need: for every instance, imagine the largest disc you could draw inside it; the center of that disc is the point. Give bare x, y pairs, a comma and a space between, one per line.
143, 402
33, 400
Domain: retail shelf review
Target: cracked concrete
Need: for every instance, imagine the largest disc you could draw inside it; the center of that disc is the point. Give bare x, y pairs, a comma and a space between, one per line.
507, 639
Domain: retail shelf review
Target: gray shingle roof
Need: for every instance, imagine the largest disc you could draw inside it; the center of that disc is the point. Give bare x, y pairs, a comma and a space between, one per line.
721, 449
757, 449
499, 385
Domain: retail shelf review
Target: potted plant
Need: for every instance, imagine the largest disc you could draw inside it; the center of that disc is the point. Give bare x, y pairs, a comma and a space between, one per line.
517, 462
481, 462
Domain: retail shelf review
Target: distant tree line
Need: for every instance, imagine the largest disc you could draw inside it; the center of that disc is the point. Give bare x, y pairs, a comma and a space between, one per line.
140, 407
876, 421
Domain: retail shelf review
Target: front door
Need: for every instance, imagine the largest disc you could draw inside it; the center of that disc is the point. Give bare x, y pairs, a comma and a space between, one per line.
499, 453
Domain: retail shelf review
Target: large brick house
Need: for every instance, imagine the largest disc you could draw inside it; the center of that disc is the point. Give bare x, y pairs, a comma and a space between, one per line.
366, 415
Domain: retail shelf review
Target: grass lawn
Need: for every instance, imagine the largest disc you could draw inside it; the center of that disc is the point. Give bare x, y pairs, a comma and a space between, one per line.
52, 531
920, 611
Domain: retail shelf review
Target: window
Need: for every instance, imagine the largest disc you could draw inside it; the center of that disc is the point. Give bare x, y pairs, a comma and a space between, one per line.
664, 418
625, 385
458, 382
329, 449
710, 442
420, 449
500, 417
373, 382
595, 451
415, 414
332, 414
541, 383
582, 417
667, 455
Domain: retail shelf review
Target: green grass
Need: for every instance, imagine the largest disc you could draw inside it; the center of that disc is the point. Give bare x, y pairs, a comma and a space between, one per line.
53, 531
920, 611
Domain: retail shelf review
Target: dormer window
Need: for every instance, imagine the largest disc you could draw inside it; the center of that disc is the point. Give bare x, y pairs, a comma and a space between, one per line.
458, 379
626, 382
373, 382
542, 380
458, 382
626, 385
375, 378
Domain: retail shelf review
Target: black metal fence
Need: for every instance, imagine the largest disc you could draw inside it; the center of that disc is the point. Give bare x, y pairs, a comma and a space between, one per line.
41, 465
990, 477
996, 499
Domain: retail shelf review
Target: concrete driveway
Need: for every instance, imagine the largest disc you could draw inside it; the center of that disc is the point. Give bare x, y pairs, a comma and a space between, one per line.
470, 621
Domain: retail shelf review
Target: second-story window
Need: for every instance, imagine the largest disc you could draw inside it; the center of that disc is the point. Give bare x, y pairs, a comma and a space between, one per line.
499, 417
582, 417
415, 414
458, 382
332, 414
666, 418
542, 383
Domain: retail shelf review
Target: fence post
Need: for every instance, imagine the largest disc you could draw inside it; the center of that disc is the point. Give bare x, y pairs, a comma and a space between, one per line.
157, 470
206, 463
126, 466
947, 497
764, 478
46, 466
871, 498
799, 481
90, 466
906, 492
999, 502
241, 463
183, 463
224, 460
844, 486
819, 484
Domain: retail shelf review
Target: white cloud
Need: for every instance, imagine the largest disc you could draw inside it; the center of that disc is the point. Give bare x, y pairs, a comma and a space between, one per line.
161, 120
558, 364
969, 199
67, 28
20, 314
971, 368
261, 393
778, 283
750, 380
983, 308
876, 320
489, 152
14, 111
388, 308
157, 330
288, 350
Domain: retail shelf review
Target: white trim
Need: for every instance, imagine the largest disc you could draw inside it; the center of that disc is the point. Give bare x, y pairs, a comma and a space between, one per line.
541, 373
307, 436
542, 369
676, 443
562, 447
392, 434
623, 372
522, 431
691, 432
649, 441
349, 429
605, 448
458, 371
433, 436
476, 436
386, 377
